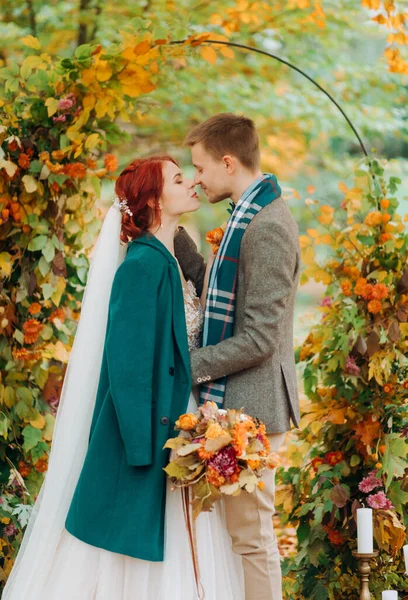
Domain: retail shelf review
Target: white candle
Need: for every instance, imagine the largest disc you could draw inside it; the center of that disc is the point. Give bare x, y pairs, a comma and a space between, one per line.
390, 595
406, 558
365, 531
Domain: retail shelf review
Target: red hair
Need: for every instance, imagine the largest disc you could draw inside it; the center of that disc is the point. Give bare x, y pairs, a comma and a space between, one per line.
142, 181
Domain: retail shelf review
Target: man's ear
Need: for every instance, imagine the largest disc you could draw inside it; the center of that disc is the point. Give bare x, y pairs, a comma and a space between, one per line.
230, 163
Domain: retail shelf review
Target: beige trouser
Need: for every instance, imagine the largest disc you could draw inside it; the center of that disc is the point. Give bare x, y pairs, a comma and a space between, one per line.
249, 522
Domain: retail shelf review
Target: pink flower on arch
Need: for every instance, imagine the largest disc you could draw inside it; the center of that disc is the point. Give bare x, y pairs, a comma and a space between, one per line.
67, 102
379, 500
369, 483
327, 301
351, 366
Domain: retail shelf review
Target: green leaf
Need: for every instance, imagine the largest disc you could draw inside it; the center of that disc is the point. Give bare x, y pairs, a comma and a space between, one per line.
83, 51
176, 471
39, 450
32, 437
44, 266
25, 395
22, 410
398, 497
47, 290
49, 251
355, 460
38, 243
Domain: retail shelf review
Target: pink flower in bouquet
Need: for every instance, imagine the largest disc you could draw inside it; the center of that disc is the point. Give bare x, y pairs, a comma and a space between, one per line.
59, 119
379, 500
369, 483
327, 301
225, 461
351, 366
67, 102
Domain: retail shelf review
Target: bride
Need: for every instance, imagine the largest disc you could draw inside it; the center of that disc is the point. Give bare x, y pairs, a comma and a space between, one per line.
106, 524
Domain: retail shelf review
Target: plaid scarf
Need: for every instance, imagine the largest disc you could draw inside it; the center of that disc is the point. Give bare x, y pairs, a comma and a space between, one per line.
220, 303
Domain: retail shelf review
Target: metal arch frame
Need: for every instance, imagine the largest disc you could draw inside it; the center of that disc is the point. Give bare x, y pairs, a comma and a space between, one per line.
288, 64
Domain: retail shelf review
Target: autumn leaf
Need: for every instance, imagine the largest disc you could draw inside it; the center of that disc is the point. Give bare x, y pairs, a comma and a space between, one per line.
389, 532
368, 431
208, 54
31, 42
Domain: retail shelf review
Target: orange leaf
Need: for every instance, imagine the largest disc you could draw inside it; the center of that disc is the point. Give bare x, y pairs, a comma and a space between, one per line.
208, 54
368, 431
142, 48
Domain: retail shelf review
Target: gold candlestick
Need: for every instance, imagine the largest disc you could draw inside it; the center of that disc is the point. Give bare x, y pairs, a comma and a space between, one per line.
364, 568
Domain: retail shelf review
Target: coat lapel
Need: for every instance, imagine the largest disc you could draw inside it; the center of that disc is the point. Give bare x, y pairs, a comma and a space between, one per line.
179, 318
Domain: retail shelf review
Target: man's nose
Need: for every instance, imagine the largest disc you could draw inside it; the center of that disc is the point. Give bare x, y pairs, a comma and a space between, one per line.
197, 179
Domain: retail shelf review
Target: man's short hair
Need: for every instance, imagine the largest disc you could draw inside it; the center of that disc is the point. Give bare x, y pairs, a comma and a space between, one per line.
226, 133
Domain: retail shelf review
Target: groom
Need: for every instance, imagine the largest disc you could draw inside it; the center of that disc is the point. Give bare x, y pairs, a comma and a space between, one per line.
247, 358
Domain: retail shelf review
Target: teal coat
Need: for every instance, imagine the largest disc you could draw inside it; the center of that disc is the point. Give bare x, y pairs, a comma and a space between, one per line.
144, 386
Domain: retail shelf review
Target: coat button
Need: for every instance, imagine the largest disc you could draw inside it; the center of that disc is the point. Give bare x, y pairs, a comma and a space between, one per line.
164, 420
172, 370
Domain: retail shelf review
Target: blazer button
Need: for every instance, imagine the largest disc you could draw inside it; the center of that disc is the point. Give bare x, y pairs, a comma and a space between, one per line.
172, 370
164, 420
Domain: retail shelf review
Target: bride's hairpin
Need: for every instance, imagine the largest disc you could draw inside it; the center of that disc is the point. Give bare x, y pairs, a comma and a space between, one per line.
122, 205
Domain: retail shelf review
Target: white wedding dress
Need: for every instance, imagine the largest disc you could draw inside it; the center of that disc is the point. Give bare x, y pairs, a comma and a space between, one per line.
80, 571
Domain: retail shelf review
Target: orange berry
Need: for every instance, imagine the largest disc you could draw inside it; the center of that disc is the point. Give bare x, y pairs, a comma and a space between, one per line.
385, 203
386, 217
378, 466
5, 213
382, 448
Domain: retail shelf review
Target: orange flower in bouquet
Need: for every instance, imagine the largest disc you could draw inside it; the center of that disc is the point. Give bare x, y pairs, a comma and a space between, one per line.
218, 452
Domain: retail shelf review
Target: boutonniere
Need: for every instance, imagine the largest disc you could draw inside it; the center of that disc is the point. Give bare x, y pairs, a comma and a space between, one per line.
215, 236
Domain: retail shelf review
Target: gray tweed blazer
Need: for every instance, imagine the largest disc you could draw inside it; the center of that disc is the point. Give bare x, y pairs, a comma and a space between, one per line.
258, 359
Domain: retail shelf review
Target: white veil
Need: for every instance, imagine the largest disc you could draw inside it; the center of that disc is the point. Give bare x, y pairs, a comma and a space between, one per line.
73, 421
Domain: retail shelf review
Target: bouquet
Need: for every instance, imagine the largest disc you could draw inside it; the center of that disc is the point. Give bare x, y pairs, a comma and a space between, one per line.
218, 452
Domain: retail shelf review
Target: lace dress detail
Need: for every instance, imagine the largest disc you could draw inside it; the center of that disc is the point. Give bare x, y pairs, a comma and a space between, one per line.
194, 315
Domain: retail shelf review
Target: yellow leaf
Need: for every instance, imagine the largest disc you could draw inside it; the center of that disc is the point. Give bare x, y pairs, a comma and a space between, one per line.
343, 188
324, 239
52, 106
92, 141
89, 101
5, 264
102, 106
304, 241
38, 422
284, 497
88, 76
308, 256
31, 42
316, 426
28, 64
325, 219
8, 166
57, 351
227, 52
312, 232
49, 427
30, 183
208, 54
103, 70
56, 296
